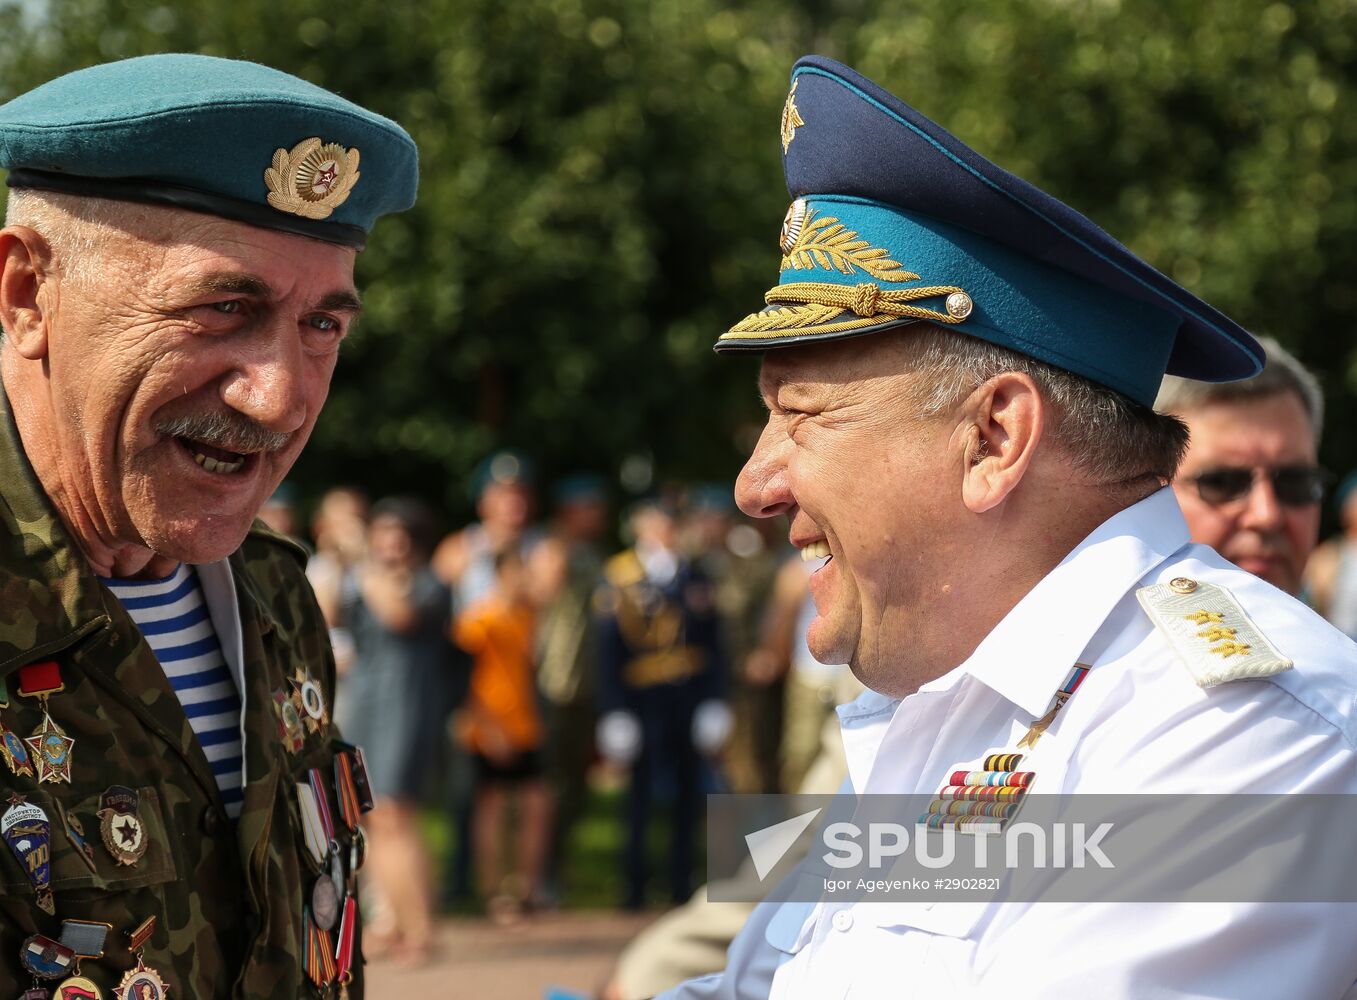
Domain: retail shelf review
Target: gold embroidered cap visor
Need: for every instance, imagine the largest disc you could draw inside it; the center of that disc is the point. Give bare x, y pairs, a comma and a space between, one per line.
219, 136
896, 221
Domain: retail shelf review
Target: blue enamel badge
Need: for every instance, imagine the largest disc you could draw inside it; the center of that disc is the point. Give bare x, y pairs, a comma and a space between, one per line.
28, 832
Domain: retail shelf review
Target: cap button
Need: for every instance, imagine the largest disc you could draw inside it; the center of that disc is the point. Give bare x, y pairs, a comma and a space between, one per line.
959, 305
1182, 585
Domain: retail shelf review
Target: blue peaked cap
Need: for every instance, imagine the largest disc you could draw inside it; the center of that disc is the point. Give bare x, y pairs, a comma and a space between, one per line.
895, 220
221, 136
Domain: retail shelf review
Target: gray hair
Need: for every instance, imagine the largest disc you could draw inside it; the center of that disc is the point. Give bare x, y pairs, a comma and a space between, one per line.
76, 228
1108, 437
1281, 374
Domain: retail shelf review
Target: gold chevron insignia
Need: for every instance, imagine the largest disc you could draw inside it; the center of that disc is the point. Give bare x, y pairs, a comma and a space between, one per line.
311, 179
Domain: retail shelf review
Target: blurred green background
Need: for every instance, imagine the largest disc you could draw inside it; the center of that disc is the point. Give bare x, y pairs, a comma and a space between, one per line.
601, 189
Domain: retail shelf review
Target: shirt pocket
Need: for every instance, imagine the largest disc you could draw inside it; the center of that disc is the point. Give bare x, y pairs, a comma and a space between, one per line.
72, 879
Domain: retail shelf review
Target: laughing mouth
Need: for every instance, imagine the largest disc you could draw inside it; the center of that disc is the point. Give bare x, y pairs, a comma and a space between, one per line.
213, 459
815, 550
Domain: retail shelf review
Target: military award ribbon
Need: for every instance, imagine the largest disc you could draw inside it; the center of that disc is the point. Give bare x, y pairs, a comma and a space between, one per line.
86, 939
143, 982
345, 791
319, 961
984, 801
327, 820
317, 844
51, 747
344, 948
28, 832
359, 770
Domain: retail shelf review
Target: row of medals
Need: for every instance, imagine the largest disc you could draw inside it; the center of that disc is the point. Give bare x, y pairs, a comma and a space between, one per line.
329, 918
27, 829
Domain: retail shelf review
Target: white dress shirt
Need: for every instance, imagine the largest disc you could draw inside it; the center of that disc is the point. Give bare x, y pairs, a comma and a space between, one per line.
1139, 723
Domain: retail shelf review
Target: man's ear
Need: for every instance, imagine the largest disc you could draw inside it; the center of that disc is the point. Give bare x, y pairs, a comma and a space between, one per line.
1001, 426
26, 290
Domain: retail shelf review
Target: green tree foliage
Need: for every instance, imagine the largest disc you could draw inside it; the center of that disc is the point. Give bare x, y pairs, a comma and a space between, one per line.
601, 187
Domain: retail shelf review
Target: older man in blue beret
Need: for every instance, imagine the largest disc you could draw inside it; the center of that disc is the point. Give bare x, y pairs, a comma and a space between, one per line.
959, 372
176, 278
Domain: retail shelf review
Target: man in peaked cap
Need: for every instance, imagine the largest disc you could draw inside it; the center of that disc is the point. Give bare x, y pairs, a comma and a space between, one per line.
176, 277
959, 372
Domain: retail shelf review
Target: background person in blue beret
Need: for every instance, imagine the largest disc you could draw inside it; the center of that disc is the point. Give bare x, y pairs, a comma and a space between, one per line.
959, 372
176, 278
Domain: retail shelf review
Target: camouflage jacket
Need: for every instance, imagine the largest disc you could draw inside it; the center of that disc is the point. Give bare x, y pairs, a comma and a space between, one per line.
228, 898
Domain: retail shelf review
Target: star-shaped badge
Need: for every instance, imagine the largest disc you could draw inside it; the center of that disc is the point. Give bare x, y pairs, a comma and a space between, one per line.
309, 700
51, 752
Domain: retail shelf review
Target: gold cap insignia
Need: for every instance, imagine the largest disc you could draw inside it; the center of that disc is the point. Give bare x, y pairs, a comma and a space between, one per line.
312, 179
792, 225
791, 118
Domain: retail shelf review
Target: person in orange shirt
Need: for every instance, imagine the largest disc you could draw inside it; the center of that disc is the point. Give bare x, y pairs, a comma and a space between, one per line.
502, 729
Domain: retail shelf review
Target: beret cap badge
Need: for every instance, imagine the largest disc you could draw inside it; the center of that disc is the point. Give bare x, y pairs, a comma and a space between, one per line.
311, 179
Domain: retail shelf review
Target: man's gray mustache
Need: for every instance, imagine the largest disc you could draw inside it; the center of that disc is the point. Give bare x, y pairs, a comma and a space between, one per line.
225, 429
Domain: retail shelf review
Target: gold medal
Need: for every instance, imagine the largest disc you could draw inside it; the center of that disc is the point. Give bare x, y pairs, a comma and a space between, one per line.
309, 700
142, 983
289, 723
78, 988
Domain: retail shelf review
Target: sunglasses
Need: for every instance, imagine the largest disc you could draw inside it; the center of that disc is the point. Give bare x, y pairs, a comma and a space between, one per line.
1294, 485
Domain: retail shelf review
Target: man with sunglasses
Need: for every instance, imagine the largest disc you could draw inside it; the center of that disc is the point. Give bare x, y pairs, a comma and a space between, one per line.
1250, 484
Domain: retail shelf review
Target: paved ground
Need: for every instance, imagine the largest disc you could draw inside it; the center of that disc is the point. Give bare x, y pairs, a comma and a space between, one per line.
571, 952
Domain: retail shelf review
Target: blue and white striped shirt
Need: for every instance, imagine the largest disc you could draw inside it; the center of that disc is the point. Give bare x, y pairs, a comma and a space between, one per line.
173, 617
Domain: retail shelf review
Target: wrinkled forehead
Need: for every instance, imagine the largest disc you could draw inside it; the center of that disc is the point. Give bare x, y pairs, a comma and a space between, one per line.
836, 364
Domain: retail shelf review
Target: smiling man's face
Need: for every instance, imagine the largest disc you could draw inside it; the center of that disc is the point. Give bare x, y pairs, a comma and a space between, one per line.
865, 482
182, 379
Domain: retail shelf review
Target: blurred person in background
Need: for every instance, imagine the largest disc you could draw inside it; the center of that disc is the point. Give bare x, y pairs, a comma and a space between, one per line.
1331, 576
1250, 484
565, 571
394, 704
662, 678
734, 555
280, 510
339, 530
465, 561
501, 728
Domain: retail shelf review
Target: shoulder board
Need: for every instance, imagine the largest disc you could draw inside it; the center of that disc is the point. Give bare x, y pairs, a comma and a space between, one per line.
1210, 632
295, 546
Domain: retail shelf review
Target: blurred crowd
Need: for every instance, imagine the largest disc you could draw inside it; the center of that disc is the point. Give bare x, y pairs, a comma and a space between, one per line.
503, 672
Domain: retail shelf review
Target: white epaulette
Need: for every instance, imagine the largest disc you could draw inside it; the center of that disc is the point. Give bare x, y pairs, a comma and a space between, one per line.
1210, 632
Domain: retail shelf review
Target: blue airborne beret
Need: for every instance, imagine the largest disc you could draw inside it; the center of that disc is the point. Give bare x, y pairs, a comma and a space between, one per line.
220, 136
894, 220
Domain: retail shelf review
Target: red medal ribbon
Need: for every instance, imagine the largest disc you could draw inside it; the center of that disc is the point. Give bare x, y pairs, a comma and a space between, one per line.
37, 679
327, 821
348, 925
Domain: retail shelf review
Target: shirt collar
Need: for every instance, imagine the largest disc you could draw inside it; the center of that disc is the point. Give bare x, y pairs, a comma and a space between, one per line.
1028, 655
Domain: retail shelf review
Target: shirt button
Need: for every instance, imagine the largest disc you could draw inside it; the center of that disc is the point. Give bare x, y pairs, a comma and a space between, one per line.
213, 821
843, 920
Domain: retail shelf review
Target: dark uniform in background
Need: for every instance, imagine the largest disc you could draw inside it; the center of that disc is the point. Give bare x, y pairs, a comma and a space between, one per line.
661, 664
123, 867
